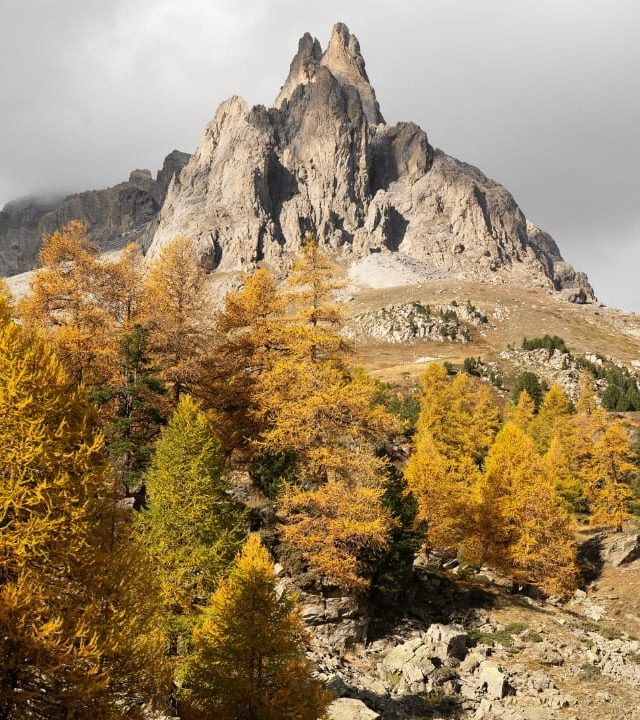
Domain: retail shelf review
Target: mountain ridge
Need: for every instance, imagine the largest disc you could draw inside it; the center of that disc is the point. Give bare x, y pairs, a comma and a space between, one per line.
322, 159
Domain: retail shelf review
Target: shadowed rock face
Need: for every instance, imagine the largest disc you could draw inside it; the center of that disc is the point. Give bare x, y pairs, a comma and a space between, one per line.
323, 158
115, 216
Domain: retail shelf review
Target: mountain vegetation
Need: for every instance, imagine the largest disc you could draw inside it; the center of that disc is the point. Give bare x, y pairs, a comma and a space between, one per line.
212, 497
117, 392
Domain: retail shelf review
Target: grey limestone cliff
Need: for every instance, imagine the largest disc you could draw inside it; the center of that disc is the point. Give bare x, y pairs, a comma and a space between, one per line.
323, 158
115, 216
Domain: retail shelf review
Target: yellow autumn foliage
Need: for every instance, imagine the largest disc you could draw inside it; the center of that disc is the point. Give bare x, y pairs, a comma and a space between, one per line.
72, 628
457, 423
248, 659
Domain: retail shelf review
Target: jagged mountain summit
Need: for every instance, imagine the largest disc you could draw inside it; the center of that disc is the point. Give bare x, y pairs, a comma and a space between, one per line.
115, 216
323, 158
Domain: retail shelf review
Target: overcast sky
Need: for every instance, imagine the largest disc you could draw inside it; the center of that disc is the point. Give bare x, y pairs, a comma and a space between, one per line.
542, 95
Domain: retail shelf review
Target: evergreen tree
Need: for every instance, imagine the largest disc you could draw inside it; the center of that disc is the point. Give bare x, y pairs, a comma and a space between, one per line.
133, 407
193, 527
394, 565
528, 381
248, 661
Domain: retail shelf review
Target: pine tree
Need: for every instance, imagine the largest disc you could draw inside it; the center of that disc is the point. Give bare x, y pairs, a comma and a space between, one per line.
193, 528
248, 660
133, 407
528, 381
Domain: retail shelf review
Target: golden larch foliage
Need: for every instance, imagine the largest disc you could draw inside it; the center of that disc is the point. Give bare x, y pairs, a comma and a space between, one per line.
553, 418
248, 659
457, 423
246, 341
606, 466
72, 642
524, 529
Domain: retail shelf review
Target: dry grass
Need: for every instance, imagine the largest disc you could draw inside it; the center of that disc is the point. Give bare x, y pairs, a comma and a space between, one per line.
513, 312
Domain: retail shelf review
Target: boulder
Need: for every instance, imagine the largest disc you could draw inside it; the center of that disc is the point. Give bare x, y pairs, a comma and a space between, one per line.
447, 641
493, 680
350, 709
625, 550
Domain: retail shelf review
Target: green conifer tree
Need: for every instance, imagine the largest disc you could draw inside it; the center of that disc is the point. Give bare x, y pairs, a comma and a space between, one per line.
192, 526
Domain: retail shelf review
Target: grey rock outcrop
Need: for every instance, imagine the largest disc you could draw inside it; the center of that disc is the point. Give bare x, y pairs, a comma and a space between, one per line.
115, 216
323, 158
350, 709
624, 551
415, 321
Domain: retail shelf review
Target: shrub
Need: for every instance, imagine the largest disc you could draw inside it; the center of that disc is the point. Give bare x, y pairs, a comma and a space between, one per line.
547, 342
529, 382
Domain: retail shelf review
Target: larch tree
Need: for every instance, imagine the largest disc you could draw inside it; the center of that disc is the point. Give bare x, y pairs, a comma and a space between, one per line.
248, 661
313, 279
69, 637
559, 466
66, 302
523, 528
6, 303
553, 418
587, 399
457, 423
522, 413
176, 311
606, 470
192, 526
312, 405
246, 340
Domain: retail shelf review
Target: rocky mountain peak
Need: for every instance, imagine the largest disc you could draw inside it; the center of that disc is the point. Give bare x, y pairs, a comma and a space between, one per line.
379, 196
344, 61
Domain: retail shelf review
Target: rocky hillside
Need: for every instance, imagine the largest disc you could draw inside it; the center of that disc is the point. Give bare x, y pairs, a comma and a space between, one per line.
324, 158
115, 216
468, 647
